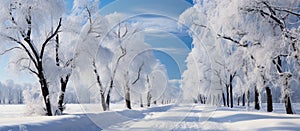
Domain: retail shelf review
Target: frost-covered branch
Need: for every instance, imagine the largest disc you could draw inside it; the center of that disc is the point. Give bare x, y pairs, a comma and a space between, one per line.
239, 43
266, 14
124, 52
139, 74
24, 47
97, 76
10, 49
56, 50
31, 70
49, 38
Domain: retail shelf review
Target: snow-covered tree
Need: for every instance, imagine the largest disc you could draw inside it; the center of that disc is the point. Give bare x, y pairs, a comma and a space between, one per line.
30, 27
156, 83
258, 39
93, 58
11, 93
283, 17
132, 62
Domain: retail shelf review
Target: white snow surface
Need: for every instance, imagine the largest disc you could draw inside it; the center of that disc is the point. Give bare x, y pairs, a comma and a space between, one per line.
158, 117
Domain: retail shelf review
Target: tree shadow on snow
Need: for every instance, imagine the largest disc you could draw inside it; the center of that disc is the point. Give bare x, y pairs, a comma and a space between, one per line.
75, 123
247, 117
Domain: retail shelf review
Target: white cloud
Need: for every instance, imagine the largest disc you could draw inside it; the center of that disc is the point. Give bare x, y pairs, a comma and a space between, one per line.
157, 24
175, 81
169, 50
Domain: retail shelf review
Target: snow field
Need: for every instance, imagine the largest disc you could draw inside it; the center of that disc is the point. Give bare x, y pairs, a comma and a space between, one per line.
159, 117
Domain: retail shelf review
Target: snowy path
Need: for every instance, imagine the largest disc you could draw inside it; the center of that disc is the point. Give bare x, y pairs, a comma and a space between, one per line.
166, 117
177, 117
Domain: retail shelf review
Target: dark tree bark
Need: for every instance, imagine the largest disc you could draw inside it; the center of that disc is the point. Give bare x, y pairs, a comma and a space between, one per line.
127, 91
141, 101
231, 92
243, 100
223, 96
248, 98
238, 101
108, 93
9, 97
287, 98
103, 103
63, 86
63, 80
227, 94
149, 99
269, 99
195, 101
127, 99
149, 96
20, 100
286, 89
45, 93
201, 99
124, 52
127, 88
256, 99
288, 104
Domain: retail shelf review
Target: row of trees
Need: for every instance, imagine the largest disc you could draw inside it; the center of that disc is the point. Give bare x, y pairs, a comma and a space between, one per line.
243, 46
104, 55
11, 93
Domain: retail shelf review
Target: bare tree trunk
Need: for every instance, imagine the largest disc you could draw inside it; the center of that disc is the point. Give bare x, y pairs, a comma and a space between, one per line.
231, 93
9, 97
127, 100
103, 101
141, 101
286, 90
227, 91
248, 98
104, 105
45, 93
269, 99
288, 104
124, 52
238, 101
256, 99
63, 80
201, 99
127, 97
243, 99
127, 91
20, 101
108, 93
223, 96
63, 86
287, 98
149, 98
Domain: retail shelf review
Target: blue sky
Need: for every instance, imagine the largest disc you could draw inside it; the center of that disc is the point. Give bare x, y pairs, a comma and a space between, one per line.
159, 19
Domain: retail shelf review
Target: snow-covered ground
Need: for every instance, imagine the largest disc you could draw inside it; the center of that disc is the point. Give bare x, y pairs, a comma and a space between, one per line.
163, 117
